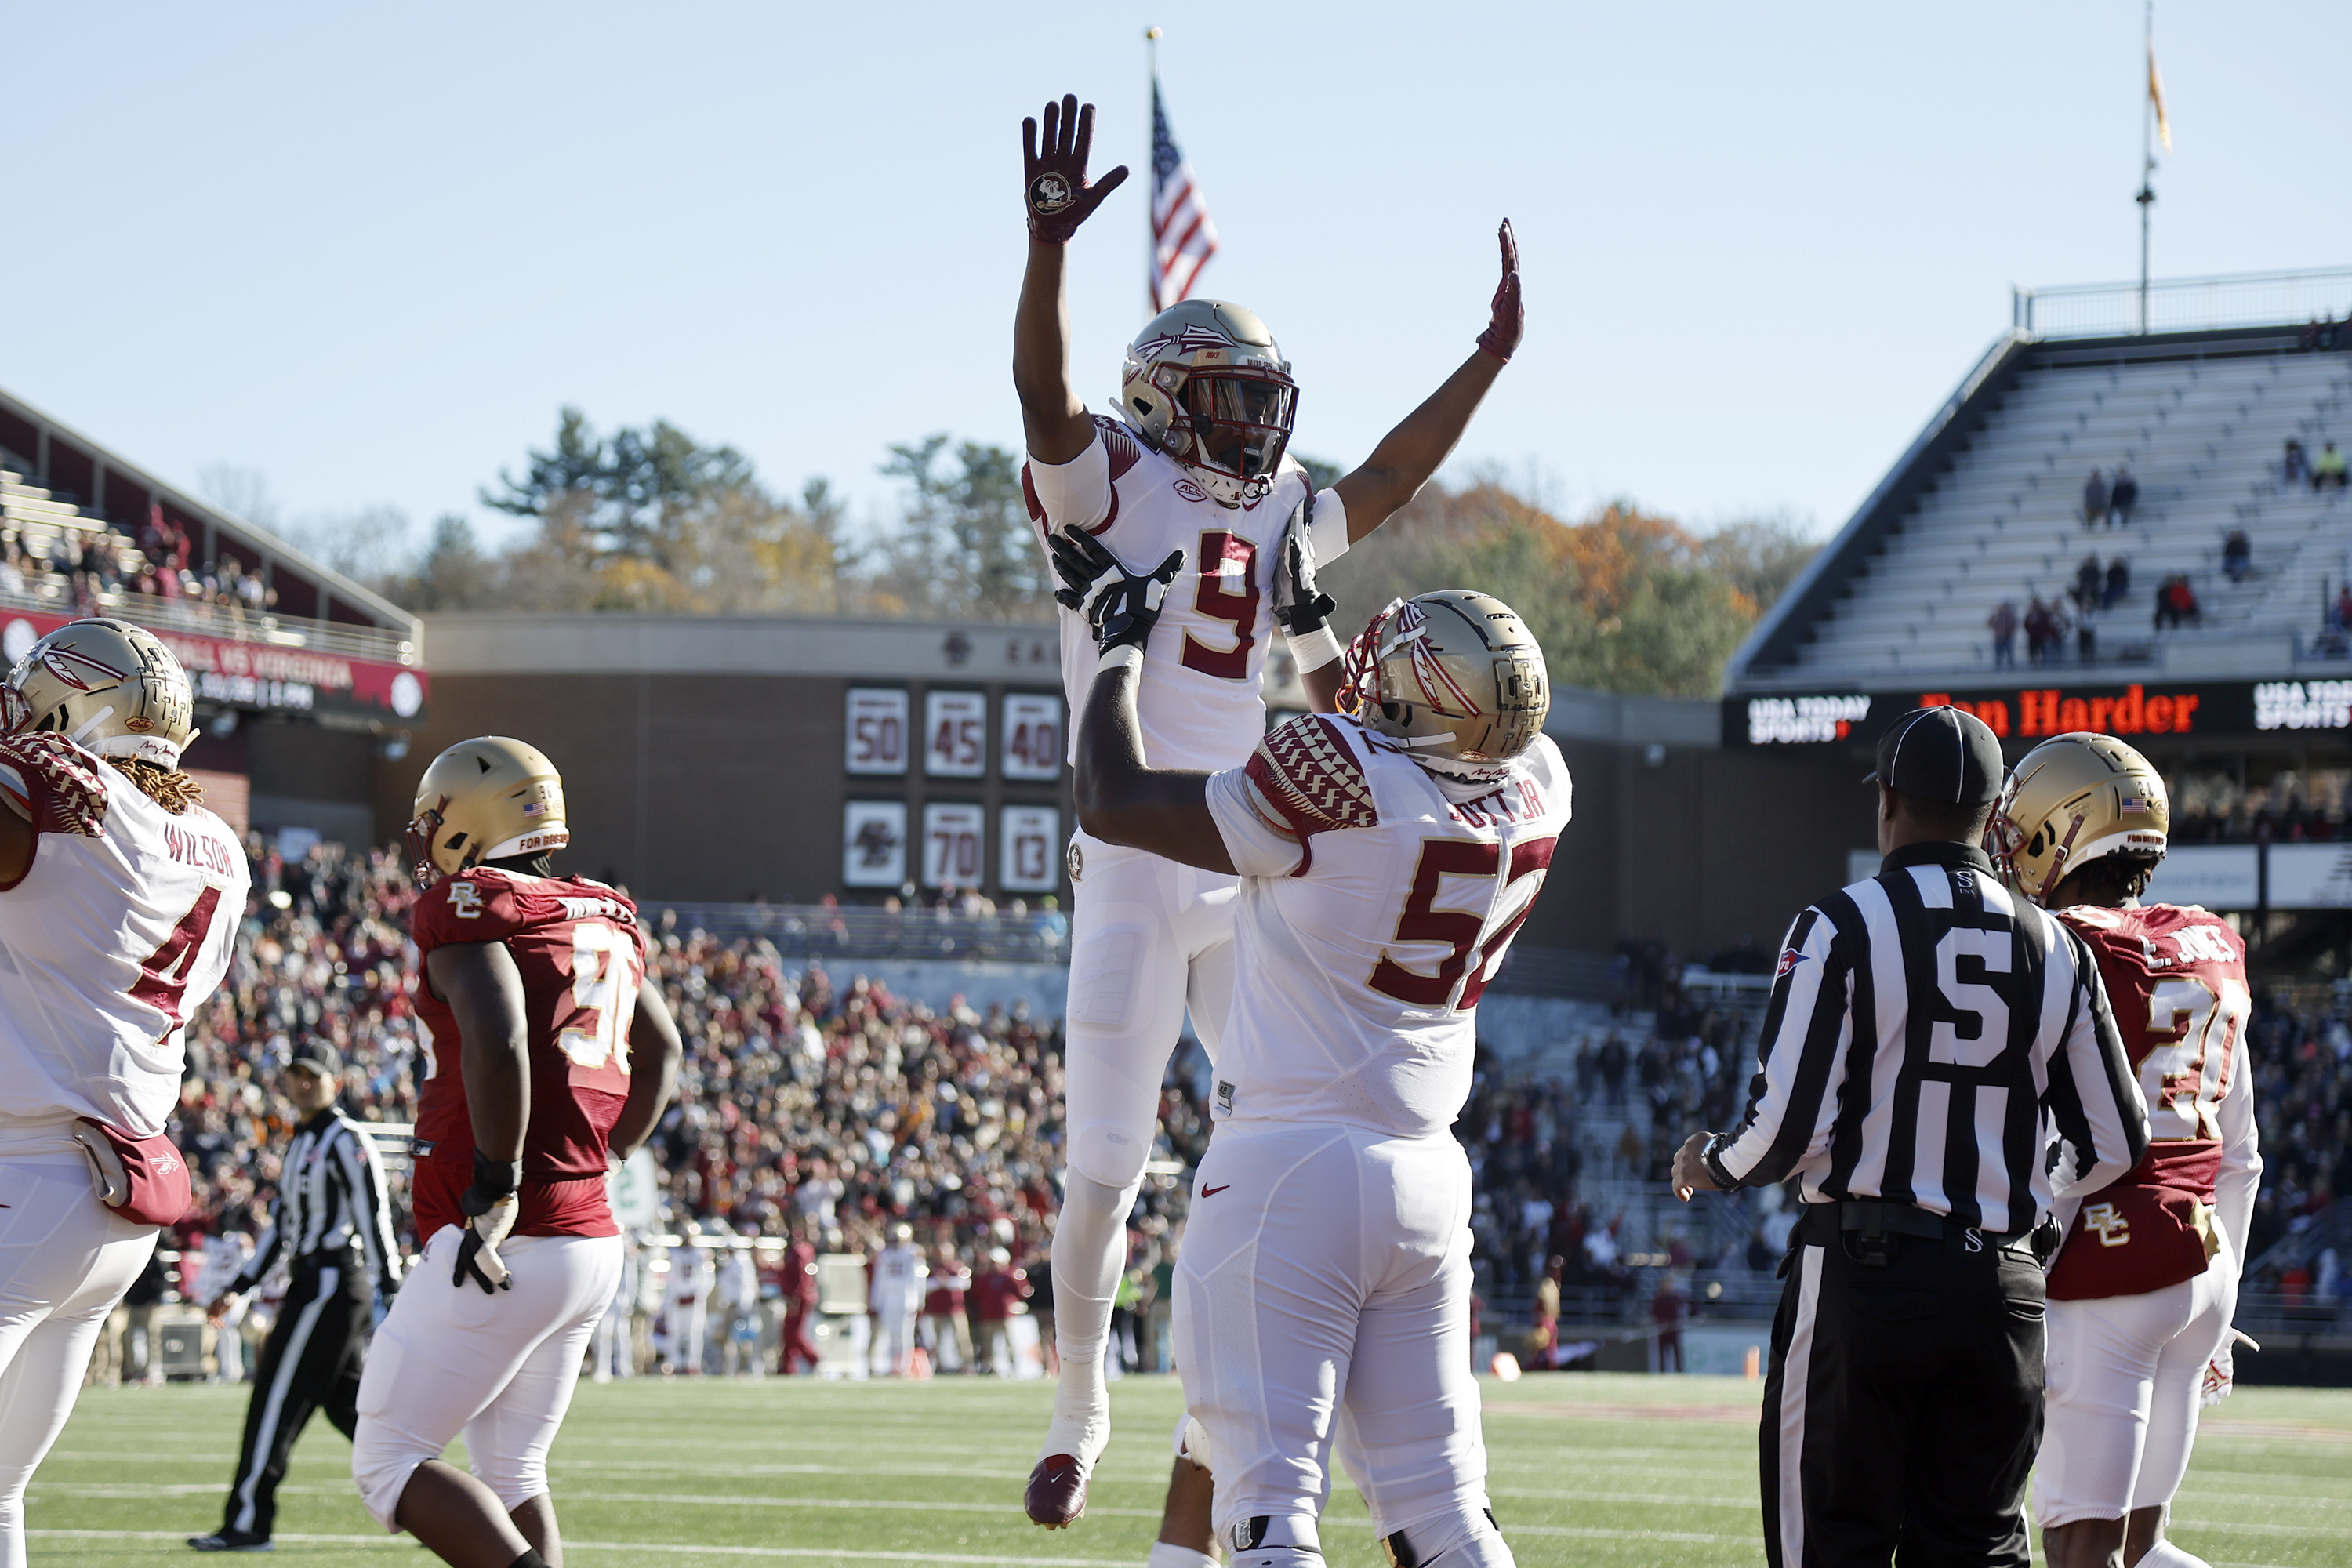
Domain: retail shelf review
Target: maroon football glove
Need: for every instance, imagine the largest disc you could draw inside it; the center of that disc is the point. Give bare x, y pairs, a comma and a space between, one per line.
1058, 195
1501, 337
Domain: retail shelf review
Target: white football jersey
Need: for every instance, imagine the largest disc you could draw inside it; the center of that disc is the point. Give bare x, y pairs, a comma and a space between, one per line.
1377, 899
897, 1279
121, 928
1199, 700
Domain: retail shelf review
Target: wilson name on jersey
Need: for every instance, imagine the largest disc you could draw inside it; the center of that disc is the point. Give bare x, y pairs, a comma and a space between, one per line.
2176, 981
1200, 701
121, 928
1378, 899
583, 957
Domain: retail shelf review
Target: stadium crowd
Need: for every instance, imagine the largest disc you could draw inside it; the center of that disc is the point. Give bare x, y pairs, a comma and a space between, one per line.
826, 1110
90, 568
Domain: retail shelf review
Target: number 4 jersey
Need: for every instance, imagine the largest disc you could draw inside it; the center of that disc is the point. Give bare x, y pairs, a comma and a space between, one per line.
583, 957
2176, 980
121, 928
1199, 700
1377, 899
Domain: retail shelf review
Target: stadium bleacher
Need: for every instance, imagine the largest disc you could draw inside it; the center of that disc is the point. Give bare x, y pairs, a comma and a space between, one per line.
2205, 437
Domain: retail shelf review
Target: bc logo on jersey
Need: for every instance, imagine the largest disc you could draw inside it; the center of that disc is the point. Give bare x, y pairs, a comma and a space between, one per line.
466, 901
2112, 1228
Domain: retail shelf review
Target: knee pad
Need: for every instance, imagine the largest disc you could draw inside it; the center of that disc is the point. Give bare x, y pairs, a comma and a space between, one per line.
1461, 1539
382, 1459
1110, 1154
1276, 1541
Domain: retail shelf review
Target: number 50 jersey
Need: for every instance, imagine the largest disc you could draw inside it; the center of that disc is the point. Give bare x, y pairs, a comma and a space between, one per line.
1378, 899
582, 956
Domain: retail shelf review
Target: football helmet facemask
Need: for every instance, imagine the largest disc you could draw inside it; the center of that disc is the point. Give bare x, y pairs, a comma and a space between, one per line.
2069, 801
1206, 384
111, 688
485, 800
1454, 676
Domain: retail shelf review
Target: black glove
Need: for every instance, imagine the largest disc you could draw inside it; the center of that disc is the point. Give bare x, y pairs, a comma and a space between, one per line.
1124, 613
1298, 606
1080, 561
490, 1207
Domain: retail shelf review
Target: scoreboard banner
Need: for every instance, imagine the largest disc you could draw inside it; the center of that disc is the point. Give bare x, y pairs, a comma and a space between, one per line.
2028, 713
266, 676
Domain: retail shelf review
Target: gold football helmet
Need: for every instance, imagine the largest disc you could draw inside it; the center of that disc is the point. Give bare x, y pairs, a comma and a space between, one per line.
109, 687
1453, 675
485, 800
1205, 384
2069, 801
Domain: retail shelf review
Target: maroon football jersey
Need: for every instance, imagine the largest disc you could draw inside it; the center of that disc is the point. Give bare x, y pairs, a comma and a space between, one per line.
2176, 980
582, 958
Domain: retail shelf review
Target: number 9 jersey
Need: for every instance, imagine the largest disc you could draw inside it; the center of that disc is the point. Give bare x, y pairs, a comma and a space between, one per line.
583, 957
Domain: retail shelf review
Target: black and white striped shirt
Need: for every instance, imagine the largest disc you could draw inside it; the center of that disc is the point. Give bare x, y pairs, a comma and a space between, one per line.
331, 1199
1928, 1037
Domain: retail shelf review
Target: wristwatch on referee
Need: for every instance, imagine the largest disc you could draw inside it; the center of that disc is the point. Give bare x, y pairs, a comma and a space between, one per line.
1712, 1158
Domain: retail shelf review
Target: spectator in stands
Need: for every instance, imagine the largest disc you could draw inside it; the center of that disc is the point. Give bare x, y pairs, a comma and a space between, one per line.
2096, 499
2327, 469
2237, 555
2045, 631
11, 569
2085, 592
2298, 466
2175, 603
2340, 617
2002, 623
2118, 584
2123, 495
2087, 636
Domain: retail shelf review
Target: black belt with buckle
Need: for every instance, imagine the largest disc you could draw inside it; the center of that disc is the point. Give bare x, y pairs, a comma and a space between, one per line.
1872, 1222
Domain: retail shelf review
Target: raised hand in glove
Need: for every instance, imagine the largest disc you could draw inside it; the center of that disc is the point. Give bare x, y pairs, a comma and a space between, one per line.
1300, 608
1124, 613
490, 1207
1080, 561
1058, 196
1501, 337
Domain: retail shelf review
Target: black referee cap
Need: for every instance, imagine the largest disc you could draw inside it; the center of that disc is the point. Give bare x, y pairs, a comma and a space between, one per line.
320, 1057
1940, 754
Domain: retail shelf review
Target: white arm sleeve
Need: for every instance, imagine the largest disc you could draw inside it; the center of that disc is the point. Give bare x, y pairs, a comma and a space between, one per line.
1255, 837
2241, 1160
1076, 494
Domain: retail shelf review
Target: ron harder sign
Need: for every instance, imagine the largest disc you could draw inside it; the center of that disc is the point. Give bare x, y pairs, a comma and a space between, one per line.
2031, 713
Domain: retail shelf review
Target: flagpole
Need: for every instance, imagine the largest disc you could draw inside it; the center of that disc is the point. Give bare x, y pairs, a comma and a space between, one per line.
2146, 197
1150, 234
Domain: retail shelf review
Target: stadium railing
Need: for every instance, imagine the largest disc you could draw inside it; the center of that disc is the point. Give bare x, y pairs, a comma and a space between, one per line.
2181, 304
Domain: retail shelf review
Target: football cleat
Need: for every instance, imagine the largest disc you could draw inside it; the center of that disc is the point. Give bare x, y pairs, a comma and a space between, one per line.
1055, 1496
232, 1540
485, 800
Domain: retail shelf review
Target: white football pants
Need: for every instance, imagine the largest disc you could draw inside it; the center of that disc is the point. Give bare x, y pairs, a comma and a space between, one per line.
1151, 939
499, 1368
2125, 1375
65, 1260
689, 1331
1323, 1293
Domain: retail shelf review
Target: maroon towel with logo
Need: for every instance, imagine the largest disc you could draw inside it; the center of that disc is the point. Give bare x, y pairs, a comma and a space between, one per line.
142, 1179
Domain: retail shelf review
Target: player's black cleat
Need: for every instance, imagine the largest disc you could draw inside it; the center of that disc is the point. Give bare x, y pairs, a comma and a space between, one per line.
232, 1540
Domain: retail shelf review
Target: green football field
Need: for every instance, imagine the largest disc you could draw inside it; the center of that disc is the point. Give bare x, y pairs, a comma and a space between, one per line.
1601, 1470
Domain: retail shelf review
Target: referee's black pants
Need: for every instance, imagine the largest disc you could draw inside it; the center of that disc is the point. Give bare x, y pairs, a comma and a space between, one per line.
1903, 1405
310, 1362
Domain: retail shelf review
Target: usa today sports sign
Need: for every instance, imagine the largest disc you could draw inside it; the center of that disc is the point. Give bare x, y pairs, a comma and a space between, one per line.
1800, 720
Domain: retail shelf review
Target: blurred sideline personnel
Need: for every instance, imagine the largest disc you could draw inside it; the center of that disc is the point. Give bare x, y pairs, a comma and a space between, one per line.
1196, 463
333, 1223
1386, 861
2146, 1278
1925, 1029
550, 1059
119, 899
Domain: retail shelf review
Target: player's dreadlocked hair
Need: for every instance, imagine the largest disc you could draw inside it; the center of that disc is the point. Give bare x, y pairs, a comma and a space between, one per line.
2110, 879
170, 788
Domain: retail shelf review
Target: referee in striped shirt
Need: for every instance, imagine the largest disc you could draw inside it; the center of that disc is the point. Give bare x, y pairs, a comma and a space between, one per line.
1937, 1060
334, 1222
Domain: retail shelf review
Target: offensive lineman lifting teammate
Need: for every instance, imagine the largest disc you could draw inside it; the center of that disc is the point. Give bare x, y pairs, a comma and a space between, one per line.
1195, 465
2146, 1278
120, 897
552, 1058
1385, 860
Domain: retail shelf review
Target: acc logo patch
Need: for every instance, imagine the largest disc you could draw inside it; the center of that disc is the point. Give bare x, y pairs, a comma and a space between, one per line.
1189, 490
465, 900
1077, 862
1789, 959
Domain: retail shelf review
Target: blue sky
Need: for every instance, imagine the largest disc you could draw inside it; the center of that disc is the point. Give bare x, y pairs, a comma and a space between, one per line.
368, 251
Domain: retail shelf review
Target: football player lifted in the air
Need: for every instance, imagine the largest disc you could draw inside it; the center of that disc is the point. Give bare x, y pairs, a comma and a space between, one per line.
552, 1058
1194, 464
1385, 862
2145, 1279
119, 899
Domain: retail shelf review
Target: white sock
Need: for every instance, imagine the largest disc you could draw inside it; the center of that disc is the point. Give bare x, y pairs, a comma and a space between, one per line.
1080, 1392
1089, 1250
2165, 1554
1168, 1554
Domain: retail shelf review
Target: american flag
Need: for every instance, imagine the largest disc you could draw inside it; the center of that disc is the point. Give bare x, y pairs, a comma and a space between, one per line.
1183, 237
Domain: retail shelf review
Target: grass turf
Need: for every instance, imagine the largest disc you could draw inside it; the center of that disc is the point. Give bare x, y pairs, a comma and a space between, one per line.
1610, 1471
